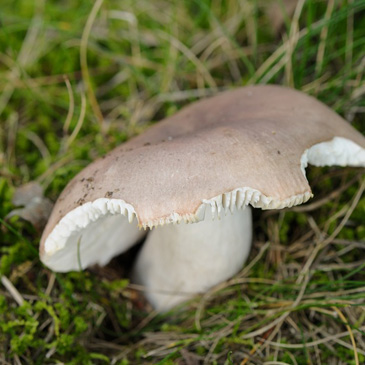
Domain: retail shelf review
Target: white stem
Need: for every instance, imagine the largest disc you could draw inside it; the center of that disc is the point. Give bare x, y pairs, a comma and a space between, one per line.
178, 261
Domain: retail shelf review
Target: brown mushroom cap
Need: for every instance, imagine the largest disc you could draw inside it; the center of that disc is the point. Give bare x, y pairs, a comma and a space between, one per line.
246, 144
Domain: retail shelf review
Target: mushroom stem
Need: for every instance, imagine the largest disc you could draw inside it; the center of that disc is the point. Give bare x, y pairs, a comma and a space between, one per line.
178, 261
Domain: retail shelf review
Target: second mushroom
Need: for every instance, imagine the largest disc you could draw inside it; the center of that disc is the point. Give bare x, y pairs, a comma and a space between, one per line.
188, 180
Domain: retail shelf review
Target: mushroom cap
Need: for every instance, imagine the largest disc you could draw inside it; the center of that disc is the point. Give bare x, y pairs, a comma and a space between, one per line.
246, 146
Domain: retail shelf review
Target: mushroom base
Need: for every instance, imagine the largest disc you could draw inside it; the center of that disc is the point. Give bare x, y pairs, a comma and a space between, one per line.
178, 261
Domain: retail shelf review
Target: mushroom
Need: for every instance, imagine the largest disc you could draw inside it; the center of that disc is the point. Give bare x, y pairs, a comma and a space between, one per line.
204, 165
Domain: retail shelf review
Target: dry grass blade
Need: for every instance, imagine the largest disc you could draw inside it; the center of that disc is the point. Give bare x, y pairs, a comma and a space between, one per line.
78, 124
314, 343
323, 38
24, 56
240, 279
322, 244
292, 41
331, 196
340, 314
350, 36
71, 104
191, 57
83, 61
12, 290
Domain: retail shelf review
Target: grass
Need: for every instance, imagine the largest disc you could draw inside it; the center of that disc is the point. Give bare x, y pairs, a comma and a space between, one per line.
77, 79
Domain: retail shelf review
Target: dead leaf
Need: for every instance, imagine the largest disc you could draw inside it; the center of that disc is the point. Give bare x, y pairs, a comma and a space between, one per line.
36, 208
24, 194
